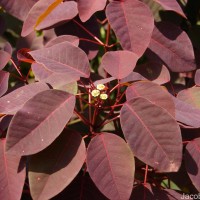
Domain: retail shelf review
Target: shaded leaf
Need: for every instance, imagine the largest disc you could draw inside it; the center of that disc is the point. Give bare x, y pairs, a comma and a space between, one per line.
54, 168
153, 134
4, 58
89, 7
197, 77
12, 102
133, 76
119, 64
4, 123
63, 38
63, 58
12, 175
133, 24
6, 46
19, 8
192, 159
4, 76
169, 38
31, 130
190, 96
152, 92
111, 166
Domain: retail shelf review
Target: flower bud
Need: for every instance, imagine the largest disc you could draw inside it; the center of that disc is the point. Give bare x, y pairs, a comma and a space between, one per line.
95, 93
103, 96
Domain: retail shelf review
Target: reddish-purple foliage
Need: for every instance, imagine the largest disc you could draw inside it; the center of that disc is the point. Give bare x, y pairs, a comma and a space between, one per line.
99, 100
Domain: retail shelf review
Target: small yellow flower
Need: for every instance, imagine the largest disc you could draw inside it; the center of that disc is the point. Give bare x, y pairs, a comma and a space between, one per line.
95, 93
103, 96
101, 86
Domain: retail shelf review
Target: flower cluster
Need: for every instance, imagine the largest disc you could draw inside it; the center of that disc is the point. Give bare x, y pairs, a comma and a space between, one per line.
98, 92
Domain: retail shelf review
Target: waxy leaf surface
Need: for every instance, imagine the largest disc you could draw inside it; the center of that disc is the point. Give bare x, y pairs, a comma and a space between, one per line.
39, 122
152, 92
63, 58
13, 101
119, 64
153, 134
4, 58
176, 45
110, 164
192, 159
12, 175
4, 76
54, 168
132, 23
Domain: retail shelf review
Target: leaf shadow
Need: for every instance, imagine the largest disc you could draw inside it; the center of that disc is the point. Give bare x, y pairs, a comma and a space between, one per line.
191, 165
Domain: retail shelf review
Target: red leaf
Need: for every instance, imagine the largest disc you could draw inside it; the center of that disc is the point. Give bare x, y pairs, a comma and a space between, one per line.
192, 159
39, 122
63, 58
133, 24
53, 169
119, 64
173, 46
87, 8
111, 166
12, 102
12, 175
4, 76
153, 134
22, 55
152, 92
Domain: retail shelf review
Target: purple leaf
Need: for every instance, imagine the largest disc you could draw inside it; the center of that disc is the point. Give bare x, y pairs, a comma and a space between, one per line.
4, 123
171, 5
186, 113
133, 76
40, 71
4, 76
39, 122
111, 166
190, 96
192, 159
197, 77
6, 46
133, 24
12, 102
152, 92
153, 134
104, 81
4, 58
154, 71
54, 168
62, 13
173, 46
12, 175
63, 38
119, 64
19, 8
63, 58
87, 8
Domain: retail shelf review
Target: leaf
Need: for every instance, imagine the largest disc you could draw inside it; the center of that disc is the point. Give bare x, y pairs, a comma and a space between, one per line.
54, 168
192, 159
153, 71
63, 58
152, 92
132, 23
4, 58
176, 45
171, 5
186, 113
12, 102
197, 77
4, 76
133, 76
190, 96
39, 122
22, 55
63, 38
153, 134
12, 175
87, 8
19, 8
119, 64
111, 166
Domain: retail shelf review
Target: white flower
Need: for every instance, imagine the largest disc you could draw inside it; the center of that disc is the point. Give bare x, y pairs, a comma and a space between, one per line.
101, 86
103, 96
95, 93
